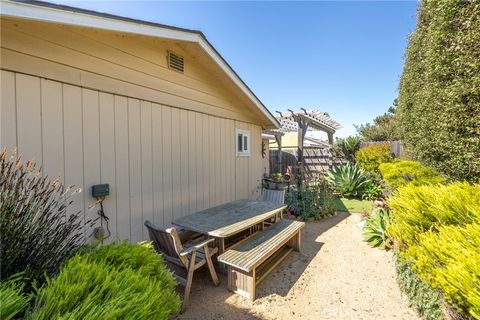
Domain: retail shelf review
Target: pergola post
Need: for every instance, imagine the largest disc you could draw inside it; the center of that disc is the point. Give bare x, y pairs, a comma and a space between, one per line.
278, 139
302, 130
330, 138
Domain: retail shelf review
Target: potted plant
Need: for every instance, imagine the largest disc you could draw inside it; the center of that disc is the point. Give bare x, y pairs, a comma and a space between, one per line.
277, 181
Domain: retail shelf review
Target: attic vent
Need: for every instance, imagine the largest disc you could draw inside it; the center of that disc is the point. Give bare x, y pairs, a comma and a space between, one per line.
175, 62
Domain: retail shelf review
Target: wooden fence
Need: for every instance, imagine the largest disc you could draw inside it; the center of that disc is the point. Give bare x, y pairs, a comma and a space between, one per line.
316, 160
396, 146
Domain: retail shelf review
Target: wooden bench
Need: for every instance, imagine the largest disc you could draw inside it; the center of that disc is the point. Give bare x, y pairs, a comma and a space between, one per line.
251, 260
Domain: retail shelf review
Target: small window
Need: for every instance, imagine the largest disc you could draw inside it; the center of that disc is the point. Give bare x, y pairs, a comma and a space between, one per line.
243, 142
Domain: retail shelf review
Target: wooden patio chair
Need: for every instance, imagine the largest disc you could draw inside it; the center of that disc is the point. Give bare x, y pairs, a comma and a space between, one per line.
273, 196
168, 242
277, 197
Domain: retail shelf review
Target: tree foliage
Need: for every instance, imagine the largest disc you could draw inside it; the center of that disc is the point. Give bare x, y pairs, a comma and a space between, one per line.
439, 99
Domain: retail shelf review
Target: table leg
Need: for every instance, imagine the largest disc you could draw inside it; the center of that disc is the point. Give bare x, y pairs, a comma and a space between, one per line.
221, 245
221, 249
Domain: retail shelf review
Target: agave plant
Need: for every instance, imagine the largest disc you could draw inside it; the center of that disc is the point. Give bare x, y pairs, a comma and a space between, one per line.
375, 230
347, 179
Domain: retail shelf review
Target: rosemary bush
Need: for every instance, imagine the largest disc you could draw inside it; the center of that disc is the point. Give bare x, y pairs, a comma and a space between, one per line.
140, 257
109, 283
36, 235
13, 301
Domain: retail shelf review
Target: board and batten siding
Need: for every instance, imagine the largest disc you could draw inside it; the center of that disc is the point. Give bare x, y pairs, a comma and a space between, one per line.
161, 162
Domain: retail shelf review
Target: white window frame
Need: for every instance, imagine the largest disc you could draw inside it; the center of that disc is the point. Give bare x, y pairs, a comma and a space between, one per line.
245, 134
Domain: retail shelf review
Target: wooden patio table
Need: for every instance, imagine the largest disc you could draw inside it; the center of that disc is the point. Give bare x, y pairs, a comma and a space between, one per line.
229, 219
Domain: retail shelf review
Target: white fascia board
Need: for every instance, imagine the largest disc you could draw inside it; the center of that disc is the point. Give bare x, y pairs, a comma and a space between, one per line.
34, 12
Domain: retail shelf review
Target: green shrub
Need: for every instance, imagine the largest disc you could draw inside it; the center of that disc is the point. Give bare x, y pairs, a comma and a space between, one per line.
347, 179
36, 234
141, 257
375, 230
439, 95
437, 229
397, 174
418, 209
422, 296
13, 301
372, 191
450, 261
109, 284
312, 200
370, 157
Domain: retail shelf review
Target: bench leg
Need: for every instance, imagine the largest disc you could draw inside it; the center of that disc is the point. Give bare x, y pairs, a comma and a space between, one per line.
294, 242
242, 282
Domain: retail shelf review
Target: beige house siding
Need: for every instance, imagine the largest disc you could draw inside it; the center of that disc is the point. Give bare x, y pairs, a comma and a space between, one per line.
129, 65
94, 106
161, 162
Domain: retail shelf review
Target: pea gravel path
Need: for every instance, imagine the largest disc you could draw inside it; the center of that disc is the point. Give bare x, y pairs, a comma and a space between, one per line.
335, 276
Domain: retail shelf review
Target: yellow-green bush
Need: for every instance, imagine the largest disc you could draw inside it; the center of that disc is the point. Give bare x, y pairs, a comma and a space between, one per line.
418, 209
118, 281
370, 157
13, 301
450, 261
437, 230
400, 173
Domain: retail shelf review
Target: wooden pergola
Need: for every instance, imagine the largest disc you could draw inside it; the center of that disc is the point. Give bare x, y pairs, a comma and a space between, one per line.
301, 122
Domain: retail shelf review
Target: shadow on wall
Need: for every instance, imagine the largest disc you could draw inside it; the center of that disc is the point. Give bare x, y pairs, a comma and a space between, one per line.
209, 302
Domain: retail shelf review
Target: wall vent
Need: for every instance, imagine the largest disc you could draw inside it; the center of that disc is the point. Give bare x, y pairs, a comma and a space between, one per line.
175, 62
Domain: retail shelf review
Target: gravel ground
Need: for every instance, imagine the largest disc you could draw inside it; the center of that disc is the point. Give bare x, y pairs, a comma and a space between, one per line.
335, 276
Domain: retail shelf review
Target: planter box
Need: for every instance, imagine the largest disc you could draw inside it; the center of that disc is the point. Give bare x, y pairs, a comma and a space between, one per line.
276, 185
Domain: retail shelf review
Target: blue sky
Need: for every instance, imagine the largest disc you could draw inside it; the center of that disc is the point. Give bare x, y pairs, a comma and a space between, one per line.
344, 58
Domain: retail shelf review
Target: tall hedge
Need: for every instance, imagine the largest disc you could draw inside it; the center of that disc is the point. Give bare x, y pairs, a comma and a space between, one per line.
439, 100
